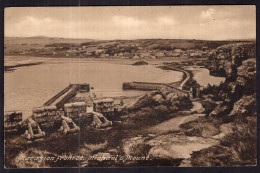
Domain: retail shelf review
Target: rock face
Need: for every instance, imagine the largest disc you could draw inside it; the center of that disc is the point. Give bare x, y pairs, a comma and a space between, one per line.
244, 106
225, 59
236, 62
247, 69
236, 111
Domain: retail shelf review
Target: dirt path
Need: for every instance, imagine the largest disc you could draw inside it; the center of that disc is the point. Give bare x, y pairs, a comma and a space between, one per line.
197, 107
174, 123
174, 145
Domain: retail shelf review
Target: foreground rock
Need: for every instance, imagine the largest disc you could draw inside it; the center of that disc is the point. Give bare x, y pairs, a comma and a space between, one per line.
170, 147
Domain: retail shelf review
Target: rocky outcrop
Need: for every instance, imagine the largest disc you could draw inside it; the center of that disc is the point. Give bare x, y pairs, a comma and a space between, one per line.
236, 62
221, 110
246, 106
225, 59
247, 76
236, 109
247, 69
164, 97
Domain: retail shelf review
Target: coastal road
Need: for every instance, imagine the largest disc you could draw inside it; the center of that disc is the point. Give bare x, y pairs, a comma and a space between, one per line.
188, 76
185, 80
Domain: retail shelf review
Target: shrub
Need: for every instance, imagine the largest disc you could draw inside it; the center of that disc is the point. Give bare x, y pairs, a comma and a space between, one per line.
209, 106
244, 140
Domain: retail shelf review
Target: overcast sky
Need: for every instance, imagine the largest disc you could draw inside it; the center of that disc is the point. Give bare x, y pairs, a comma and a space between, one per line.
169, 22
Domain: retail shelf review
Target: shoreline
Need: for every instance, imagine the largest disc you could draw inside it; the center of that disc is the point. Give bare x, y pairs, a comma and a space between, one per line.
165, 59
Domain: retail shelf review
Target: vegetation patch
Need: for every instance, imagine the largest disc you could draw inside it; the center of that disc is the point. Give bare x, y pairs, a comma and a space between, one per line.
203, 127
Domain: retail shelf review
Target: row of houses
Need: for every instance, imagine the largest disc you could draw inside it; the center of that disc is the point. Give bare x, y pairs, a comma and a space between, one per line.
85, 51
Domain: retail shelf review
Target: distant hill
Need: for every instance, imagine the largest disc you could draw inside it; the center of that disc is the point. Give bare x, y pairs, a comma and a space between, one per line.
39, 36
42, 40
37, 42
52, 46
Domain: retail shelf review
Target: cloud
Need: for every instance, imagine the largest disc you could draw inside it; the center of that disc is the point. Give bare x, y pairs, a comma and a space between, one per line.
133, 23
166, 20
208, 14
125, 21
32, 21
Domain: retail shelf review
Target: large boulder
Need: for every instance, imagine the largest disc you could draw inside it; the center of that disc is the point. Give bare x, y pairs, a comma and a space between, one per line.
164, 91
246, 106
247, 69
158, 98
169, 96
221, 110
173, 98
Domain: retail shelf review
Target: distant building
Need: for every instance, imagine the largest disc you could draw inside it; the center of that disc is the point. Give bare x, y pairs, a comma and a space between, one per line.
205, 48
176, 54
178, 50
98, 51
145, 55
195, 54
104, 55
88, 53
159, 54
136, 57
126, 54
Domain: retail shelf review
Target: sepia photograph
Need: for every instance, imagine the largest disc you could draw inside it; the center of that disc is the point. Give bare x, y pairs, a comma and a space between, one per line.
130, 86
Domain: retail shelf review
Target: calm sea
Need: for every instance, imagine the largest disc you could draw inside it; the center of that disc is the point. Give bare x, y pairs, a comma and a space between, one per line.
31, 86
